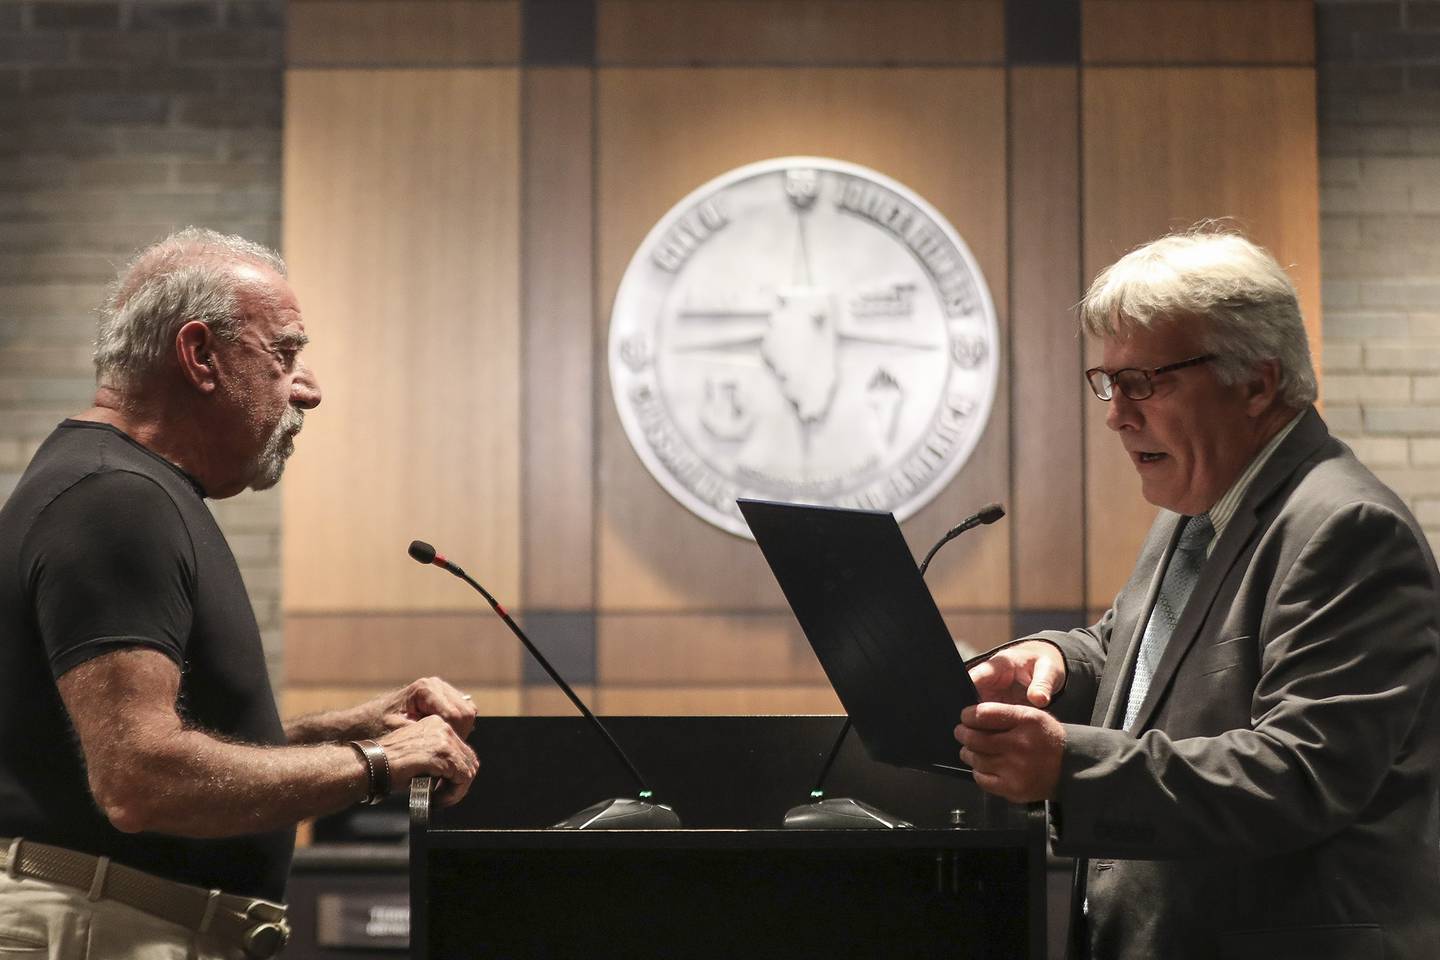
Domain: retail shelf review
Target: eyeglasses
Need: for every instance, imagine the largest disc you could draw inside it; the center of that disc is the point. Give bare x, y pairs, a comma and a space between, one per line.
1135, 383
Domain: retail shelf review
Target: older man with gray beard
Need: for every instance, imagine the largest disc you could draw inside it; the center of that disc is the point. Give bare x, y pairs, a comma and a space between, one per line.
148, 789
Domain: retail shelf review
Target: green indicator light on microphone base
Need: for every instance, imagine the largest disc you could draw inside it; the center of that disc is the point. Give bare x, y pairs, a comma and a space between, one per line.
817, 794
646, 794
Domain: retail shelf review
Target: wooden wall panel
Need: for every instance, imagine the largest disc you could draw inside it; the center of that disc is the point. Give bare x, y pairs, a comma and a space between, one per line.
466, 648
1163, 149
664, 132
699, 649
800, 32
976, 631
401, 206
1198, 31
735, 663
1048, 518
300, 699
546, 700
357, 33
558, 431
671, 699
466, 399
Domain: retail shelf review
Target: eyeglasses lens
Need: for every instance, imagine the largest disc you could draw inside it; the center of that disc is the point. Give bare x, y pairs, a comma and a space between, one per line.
1135, 384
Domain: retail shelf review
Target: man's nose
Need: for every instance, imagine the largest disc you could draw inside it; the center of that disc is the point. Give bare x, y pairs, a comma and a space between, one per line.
1123, 412
305, 389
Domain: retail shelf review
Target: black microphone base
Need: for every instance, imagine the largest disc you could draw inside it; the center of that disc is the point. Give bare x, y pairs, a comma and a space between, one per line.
841, 813
622, 814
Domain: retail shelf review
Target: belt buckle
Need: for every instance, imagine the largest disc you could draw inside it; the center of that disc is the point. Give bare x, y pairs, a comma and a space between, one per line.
268, 935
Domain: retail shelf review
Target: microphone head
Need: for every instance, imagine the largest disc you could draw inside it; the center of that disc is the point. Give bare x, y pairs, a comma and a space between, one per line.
988, 513
422, 552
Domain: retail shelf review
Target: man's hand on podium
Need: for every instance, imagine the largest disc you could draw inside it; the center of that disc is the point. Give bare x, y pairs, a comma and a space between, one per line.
431, 747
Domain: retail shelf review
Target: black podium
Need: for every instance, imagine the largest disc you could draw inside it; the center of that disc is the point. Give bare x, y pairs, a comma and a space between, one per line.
488, 879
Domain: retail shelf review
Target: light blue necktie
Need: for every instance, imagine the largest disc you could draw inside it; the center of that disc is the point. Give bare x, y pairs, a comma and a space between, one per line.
1175, 590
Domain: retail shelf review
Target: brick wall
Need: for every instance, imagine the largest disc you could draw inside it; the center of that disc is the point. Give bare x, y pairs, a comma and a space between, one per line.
1379, 93
120, 121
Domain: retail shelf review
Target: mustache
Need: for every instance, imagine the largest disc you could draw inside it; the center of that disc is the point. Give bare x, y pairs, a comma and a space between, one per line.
292, 422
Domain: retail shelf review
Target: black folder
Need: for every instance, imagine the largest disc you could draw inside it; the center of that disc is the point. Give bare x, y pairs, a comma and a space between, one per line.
853, 585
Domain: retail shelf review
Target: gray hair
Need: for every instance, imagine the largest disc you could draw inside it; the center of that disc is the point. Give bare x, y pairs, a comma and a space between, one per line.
1246, 303
187, 276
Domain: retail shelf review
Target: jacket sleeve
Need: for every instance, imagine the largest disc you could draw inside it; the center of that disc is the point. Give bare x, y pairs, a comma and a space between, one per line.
1084, 650
1349, 648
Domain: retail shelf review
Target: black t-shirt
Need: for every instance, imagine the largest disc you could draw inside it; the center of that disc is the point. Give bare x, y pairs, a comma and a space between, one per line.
105, 545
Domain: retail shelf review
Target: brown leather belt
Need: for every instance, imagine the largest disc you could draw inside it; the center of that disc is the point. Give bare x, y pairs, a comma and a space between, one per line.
257, 927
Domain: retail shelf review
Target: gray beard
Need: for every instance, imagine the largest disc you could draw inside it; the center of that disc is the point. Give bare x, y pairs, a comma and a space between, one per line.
271, 462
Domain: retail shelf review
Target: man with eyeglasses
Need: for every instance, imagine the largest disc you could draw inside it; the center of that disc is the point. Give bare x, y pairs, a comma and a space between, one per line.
1242, 752
149, 790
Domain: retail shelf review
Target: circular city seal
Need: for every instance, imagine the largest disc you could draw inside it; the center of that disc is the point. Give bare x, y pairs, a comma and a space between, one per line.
808, 330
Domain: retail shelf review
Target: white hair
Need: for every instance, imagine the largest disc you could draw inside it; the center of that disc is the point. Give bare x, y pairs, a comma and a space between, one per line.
1241, 297
187, 276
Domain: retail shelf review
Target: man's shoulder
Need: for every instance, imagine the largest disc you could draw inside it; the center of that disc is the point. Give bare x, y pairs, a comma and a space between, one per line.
1334, 478
87, 482
79, 451
1338, 503
1313, 470
118, 491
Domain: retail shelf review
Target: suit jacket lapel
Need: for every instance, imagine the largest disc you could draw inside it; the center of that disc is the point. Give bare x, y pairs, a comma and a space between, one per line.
1308, 435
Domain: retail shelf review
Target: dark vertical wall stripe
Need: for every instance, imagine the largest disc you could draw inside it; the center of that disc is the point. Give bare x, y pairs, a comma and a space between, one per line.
1042, 31
558, 33
568, 642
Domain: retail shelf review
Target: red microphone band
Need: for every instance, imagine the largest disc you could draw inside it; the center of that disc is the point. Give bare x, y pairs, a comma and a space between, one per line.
439, 560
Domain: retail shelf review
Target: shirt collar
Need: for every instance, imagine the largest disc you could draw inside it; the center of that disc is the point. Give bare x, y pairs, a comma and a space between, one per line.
1224, 509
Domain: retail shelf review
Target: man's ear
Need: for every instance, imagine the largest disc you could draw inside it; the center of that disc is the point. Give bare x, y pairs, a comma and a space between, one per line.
1262, 387
195, 350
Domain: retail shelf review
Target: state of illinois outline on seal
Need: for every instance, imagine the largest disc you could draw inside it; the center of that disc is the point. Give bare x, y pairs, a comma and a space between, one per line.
803, 329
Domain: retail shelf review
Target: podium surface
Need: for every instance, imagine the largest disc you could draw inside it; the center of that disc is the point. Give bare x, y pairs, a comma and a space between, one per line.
489, 879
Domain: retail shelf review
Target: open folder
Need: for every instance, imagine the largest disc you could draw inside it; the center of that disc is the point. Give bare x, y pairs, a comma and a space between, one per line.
852, 582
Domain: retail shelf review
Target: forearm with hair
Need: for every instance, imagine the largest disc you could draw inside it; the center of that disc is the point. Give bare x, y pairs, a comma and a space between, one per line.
148, 771
203, 787
353, 723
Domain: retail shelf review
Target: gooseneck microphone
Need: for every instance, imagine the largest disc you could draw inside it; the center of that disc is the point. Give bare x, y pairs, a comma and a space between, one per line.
986, 514
844, 812
607, 814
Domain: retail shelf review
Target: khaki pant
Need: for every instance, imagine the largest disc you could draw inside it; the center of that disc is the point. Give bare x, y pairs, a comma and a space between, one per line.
45, 921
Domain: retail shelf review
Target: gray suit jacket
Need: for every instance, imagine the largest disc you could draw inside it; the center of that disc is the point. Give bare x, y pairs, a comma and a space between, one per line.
1280, 798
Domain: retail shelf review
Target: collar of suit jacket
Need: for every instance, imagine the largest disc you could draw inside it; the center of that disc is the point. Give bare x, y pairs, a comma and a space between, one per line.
1225, 507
